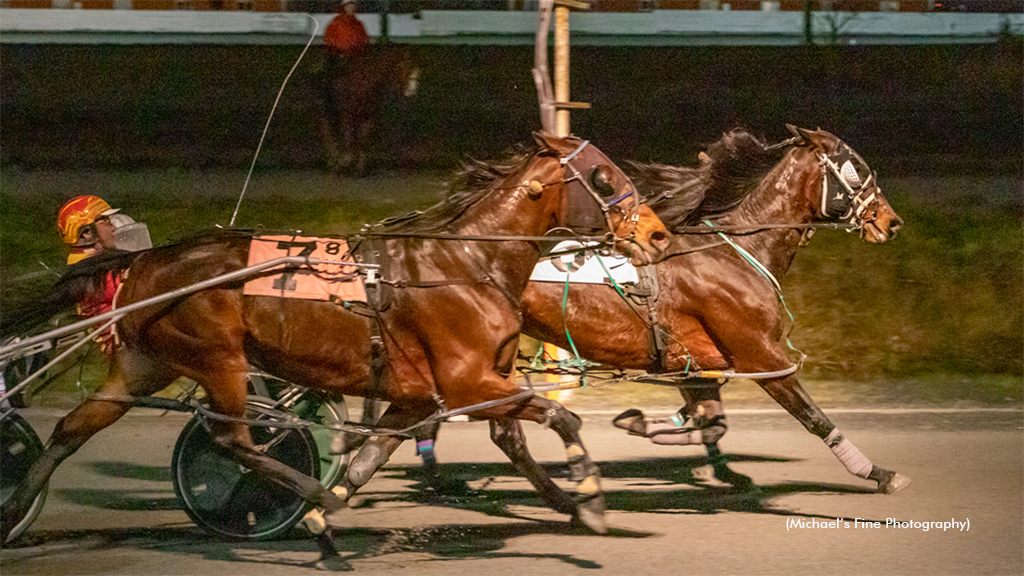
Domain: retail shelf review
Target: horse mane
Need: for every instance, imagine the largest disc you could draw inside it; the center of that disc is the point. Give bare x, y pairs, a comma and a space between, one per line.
474, 180
730, 171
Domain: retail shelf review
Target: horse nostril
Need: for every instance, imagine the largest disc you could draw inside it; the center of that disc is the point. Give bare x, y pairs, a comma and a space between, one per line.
659, 239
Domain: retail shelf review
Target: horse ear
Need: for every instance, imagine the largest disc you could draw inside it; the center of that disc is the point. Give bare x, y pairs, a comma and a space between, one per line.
546, 140
808, 136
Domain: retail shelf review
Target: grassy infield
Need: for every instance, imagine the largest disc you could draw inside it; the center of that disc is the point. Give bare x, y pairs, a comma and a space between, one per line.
934, 316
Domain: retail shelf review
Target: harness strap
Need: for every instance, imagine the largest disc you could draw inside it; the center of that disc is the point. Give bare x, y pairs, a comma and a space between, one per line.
771, 278
378, 352
656, 348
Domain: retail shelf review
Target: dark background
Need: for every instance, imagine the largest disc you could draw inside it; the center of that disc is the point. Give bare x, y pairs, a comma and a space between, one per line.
154, 129
925, 110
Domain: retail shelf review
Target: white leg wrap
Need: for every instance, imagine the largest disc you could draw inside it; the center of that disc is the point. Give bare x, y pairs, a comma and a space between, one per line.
854, 460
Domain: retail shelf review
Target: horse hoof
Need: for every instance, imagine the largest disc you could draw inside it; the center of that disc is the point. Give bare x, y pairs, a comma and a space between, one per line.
892, 483
314, 522
332, 564
591, 514
333, 519
632, 421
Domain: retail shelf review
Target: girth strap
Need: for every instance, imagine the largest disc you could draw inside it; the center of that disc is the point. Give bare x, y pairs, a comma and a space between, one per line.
378, 352
648, 291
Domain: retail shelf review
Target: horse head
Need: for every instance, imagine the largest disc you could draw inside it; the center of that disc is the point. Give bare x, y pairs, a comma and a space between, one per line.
849, 190
601, 197
405, 78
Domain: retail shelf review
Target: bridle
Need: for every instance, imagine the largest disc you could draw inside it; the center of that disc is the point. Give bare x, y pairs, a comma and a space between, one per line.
848, 189
599, 185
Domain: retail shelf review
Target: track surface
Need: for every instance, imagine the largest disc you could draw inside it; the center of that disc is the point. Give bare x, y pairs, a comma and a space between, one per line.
112, 510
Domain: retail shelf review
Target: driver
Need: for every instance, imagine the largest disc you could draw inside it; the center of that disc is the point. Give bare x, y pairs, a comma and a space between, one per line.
85, 226
89, 228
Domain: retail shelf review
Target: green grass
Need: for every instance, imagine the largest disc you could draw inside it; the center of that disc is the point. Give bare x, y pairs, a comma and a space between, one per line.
934, 316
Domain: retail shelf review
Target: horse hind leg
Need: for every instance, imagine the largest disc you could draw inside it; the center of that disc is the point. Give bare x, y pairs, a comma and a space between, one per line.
791, 395
701, 420
230, 434
589, 506
507, 434
375, 452
130, 376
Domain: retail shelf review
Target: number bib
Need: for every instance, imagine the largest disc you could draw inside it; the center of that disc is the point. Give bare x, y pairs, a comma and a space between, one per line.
316, 282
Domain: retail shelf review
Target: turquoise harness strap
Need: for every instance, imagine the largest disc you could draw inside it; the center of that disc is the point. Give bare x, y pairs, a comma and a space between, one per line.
575, 361
771, 278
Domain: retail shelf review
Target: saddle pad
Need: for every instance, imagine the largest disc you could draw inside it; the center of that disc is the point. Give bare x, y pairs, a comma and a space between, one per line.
320, 282
583, 268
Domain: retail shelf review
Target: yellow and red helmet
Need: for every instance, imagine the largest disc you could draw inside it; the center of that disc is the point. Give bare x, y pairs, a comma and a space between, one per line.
77, 214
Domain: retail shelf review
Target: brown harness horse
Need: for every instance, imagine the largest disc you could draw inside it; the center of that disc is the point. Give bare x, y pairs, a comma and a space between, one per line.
351, 92
447, 329
716, 303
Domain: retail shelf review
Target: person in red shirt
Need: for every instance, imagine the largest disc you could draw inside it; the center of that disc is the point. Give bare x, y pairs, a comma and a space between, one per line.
345, 38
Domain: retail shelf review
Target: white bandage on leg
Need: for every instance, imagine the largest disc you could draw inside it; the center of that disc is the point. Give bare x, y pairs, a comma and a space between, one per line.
854, 460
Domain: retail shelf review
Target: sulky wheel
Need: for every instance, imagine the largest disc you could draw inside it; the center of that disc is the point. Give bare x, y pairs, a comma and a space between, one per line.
324, 414
19, 449
230, 500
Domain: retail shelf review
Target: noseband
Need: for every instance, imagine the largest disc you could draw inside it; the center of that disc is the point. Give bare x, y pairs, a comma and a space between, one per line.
599, 185
847, 194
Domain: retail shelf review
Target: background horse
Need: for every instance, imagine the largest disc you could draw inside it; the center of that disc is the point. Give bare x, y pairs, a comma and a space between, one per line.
352, 94
716, 310
444, 335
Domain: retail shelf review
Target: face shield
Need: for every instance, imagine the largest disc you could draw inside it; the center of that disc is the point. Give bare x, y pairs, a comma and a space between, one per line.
130, 235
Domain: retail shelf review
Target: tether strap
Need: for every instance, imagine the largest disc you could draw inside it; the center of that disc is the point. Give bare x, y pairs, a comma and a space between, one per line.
606, 239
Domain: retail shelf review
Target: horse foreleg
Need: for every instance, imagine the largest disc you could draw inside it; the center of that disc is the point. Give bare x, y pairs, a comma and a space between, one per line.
361, 144
508, 435
791, 395
327, 118
376, 452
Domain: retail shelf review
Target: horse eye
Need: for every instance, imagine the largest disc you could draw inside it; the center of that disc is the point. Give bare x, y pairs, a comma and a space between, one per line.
601, 180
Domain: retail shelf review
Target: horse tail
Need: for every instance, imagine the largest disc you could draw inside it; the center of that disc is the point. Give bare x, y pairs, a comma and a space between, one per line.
80, 279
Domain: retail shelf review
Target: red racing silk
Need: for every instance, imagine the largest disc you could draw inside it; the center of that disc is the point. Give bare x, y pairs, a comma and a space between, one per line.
101, 301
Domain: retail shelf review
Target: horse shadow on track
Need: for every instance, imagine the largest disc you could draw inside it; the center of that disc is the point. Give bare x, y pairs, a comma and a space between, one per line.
155, 498
653, 486
297, 550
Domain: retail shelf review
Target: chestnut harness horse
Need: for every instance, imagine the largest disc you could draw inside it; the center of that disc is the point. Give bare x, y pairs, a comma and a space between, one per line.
446, 324
713, 309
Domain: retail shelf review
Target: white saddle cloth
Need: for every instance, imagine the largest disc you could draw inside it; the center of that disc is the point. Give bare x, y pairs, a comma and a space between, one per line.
583, 267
